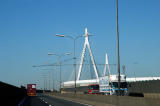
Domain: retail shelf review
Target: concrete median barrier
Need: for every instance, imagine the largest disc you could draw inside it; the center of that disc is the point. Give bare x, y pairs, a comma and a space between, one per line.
104, 100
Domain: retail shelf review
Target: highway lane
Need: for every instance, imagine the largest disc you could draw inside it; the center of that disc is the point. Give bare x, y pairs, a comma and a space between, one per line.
60, 102
43, 100
34, 101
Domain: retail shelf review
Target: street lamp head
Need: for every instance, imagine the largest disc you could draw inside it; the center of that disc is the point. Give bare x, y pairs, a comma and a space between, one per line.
68, 53
33, 66
50, 53
59, 35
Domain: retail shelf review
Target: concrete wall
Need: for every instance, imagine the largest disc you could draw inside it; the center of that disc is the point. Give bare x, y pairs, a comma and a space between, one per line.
98, 100
145, 86
11, 95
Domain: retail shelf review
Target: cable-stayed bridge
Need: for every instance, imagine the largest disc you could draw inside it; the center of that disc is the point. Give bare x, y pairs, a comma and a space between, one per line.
89, 66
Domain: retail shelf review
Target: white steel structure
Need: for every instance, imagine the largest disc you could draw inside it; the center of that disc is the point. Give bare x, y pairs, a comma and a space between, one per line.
105, 67
142, 79
110, 77
86, 44
70, 84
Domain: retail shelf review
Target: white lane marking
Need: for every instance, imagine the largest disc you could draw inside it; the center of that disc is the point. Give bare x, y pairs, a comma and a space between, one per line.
44, 101
78, 102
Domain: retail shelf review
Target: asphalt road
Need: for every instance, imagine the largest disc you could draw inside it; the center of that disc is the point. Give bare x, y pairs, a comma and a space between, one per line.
43, 100
34, 101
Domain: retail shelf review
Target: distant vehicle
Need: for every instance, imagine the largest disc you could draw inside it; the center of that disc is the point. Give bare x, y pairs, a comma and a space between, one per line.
93, 88
109, 85
31, 89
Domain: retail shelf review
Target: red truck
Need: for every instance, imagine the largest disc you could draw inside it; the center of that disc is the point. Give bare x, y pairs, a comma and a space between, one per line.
93, 88
31, 89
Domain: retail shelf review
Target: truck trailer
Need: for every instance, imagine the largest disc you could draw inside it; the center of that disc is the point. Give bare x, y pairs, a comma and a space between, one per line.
31, 89
109, 85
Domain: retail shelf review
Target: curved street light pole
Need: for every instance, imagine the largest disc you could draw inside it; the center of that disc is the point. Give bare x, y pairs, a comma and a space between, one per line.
74, 57
59, 59
118, 58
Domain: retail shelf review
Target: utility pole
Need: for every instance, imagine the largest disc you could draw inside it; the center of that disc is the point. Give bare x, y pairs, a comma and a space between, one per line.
74, 65
53, 81
118, 59
49, 80
60, 74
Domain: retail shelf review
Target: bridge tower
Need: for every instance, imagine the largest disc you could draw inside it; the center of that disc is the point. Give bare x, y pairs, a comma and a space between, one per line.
86, 44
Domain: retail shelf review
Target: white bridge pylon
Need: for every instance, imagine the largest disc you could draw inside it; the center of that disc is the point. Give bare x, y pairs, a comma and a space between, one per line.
86, 44
105, 67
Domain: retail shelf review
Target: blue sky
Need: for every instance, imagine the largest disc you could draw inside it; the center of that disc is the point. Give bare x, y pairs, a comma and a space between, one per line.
28, 29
